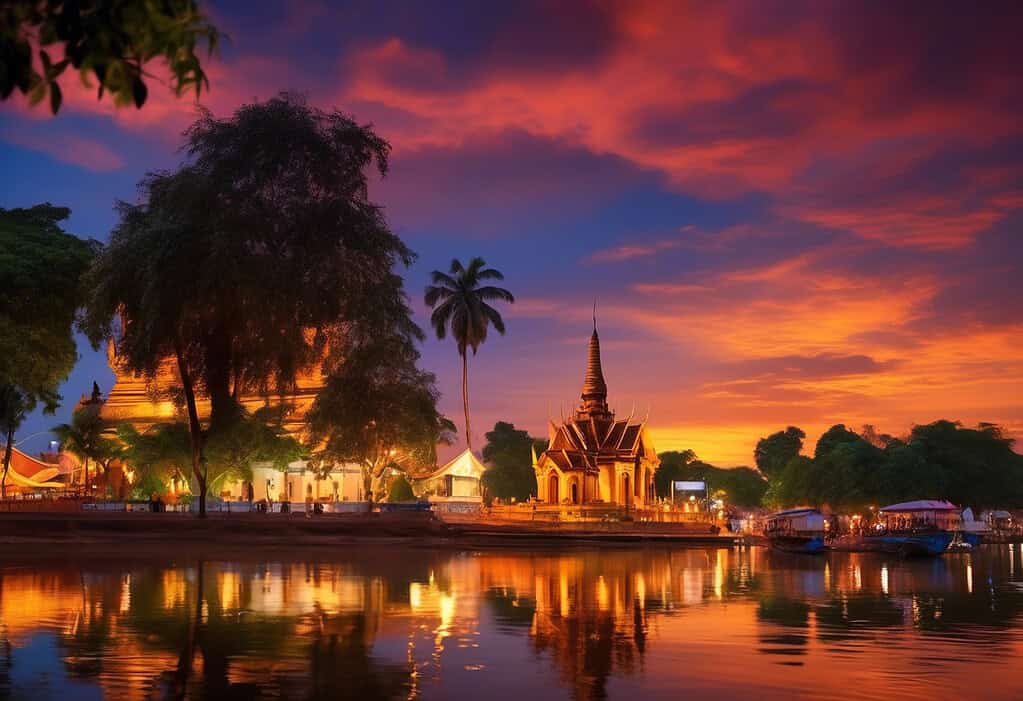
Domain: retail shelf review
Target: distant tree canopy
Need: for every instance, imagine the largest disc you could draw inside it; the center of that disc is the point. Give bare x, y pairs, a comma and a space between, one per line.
41, 267
743, 486
260, 258
773, 453
109, 41
943, 460
508, 455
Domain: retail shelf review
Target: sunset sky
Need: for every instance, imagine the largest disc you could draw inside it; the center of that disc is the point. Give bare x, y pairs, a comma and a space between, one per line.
787, 213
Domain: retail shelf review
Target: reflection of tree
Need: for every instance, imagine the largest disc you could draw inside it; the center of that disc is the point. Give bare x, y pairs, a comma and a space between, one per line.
849, 617
993, 609
794, 618
510, 610
6, 662
90, 631
215, 634
340, 665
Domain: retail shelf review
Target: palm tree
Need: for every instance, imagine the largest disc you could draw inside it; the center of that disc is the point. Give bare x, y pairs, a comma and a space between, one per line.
83, 438
459, 302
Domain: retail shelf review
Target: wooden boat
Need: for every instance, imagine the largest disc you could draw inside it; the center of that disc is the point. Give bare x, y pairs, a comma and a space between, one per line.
796, 531
922, 527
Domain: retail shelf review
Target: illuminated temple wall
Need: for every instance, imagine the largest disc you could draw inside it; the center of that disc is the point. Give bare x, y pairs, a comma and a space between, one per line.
142, 402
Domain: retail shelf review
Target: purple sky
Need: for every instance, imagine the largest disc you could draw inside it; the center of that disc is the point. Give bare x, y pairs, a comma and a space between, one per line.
788, 213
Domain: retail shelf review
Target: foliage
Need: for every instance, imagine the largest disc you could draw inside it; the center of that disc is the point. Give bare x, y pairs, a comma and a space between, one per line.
40, 273
162, 451
773, 453
673, 468
378, 409
742, 486
400, 490
942, 460
979, 466
156, 455
833, 437
109, 40
84, 439
460, 303
508, 456
260, 258
256, 437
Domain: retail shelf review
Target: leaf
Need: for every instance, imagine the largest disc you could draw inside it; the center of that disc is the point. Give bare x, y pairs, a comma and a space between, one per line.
55, 97
139, 91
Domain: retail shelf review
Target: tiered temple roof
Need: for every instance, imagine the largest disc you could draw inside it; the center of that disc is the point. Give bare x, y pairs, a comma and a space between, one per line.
593, 435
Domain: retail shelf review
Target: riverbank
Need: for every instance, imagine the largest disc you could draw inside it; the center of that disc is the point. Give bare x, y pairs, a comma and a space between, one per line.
23, 531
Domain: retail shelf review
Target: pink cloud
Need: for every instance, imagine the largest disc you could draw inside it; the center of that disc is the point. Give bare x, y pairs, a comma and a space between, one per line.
76, 150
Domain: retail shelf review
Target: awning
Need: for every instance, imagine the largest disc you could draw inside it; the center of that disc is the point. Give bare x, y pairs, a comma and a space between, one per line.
920, 505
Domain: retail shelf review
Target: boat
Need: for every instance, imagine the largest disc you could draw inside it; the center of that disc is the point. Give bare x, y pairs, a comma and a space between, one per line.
921, 527
796, 531
960, 544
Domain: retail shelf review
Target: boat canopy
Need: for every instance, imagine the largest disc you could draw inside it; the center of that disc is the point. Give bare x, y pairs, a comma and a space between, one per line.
788, 513
795, 521
920, 505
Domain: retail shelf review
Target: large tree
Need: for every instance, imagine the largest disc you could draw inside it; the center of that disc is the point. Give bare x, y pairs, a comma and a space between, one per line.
379, 410
260, 258
109, 41
40, 290
773, 453
508, 456
979, 466
460, 303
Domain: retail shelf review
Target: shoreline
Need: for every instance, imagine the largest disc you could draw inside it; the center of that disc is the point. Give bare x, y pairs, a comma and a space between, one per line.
23, 532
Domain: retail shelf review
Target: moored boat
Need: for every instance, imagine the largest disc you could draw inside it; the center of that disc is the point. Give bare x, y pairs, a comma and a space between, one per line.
921, 527
796, 531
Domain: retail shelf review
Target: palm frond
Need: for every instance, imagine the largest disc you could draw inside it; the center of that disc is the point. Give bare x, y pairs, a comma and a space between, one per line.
440, 317
490, 274
495, 293
435, 294
440, 278
493, 316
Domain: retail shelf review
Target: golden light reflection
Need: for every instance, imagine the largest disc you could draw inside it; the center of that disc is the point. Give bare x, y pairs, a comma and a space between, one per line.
590, 616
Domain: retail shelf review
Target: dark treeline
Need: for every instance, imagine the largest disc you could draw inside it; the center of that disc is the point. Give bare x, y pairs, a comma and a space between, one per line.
973, 467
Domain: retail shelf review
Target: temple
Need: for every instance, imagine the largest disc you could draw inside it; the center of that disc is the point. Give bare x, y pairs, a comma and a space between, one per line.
144, 402
594, 458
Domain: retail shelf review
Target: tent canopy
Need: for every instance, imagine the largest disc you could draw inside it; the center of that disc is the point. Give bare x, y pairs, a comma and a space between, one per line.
31, 473
465, 464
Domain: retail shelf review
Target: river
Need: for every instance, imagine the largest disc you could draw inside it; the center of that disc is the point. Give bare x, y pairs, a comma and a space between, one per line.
379, 621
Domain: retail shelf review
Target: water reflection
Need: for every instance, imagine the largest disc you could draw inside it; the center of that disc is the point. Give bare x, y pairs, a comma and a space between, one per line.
582, 625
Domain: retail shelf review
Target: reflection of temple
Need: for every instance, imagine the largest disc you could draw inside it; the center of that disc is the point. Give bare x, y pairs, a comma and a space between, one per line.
594, 457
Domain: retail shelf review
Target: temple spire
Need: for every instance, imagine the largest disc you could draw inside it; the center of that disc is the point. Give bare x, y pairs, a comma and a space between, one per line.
594, 388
